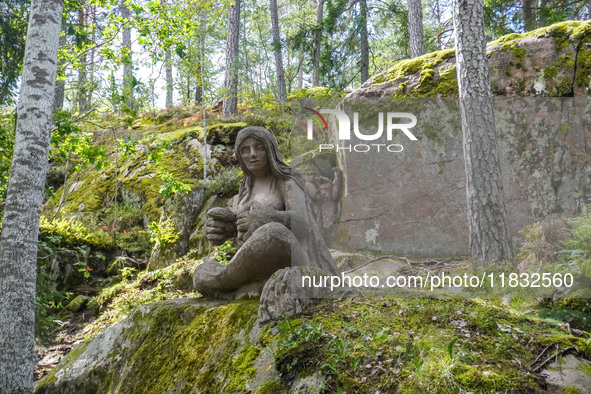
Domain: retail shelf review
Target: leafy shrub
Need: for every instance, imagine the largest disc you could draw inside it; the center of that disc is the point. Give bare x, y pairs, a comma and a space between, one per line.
577, 249
227, 183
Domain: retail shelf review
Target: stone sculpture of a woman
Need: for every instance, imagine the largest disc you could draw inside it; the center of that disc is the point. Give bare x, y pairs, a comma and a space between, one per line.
273, 226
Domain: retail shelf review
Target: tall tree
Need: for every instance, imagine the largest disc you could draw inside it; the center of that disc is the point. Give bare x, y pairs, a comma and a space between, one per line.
60, 84
415, 28
169, 80
282, 95
128, 80
20, 228
82, 93
364, 43
489, 233
13, 28
528, 16
232, 48
317, 42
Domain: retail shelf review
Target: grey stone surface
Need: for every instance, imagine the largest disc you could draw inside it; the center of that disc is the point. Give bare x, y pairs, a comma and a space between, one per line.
572, 373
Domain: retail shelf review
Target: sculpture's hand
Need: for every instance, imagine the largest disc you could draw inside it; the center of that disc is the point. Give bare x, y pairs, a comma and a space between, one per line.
220, 225
258, 215
337, 172
309, 177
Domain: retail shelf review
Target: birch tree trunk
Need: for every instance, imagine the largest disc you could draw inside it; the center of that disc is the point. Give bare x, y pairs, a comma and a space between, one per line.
489, 233
20, 228
277, 49
415, 28
316, 47
364, 41
231, 76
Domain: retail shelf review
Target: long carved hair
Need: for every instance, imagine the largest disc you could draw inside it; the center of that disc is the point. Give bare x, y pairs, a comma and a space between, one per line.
278, 167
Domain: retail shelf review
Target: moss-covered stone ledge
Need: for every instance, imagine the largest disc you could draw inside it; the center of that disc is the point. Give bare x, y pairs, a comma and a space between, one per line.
175, 346
551, 61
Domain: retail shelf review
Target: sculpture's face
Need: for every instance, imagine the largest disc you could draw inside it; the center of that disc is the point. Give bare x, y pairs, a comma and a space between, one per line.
325, 190
254, 155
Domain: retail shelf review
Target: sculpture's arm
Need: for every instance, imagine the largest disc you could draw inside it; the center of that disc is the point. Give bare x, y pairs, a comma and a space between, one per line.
294, 214
310, 187
337, 184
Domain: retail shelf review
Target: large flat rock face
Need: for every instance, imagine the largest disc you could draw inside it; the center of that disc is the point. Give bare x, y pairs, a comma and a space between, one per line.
414, 202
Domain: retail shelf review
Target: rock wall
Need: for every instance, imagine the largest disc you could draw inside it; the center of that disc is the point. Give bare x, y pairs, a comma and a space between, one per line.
414, 202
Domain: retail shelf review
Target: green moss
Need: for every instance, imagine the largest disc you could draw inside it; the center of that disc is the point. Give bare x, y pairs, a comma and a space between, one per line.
50, 379
273, 387
190, 345
572, 390
347, 341
565, 128
583, 74
567, 61
585, 367
408, 67
242, 369
550, 72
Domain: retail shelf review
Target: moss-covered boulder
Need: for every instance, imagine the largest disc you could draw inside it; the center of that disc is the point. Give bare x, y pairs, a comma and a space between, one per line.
183, 345
551, 61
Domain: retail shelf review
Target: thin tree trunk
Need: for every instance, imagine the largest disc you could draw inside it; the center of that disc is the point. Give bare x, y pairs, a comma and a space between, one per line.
82, 82
60, 86
528, 19
20, 228
317, 42
489, 232
415, 28
231, 76
127, 63
92, 57
200, 80
364, 41
282, 96
169, 81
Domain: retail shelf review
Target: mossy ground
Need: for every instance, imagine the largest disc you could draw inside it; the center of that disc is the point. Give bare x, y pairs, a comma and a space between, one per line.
417, 345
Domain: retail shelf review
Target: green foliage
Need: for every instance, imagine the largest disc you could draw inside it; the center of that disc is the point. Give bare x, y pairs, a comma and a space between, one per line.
171, 185
164, 232
118, 300
14, 15
69, 143
577, 249
7, 130
227, 183
224, 252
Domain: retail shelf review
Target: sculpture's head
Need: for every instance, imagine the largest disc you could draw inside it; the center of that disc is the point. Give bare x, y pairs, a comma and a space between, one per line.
267, 141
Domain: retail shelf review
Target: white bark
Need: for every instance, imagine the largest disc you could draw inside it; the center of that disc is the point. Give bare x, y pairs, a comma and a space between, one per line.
20, 228
489, 232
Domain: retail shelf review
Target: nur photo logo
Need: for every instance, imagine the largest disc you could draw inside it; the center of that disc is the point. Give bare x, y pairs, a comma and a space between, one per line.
394, 121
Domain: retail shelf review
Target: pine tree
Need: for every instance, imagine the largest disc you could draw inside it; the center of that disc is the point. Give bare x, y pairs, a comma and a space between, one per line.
232, 48
489, 232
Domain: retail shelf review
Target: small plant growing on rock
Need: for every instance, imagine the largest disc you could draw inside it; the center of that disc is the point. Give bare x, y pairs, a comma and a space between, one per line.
224, 252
